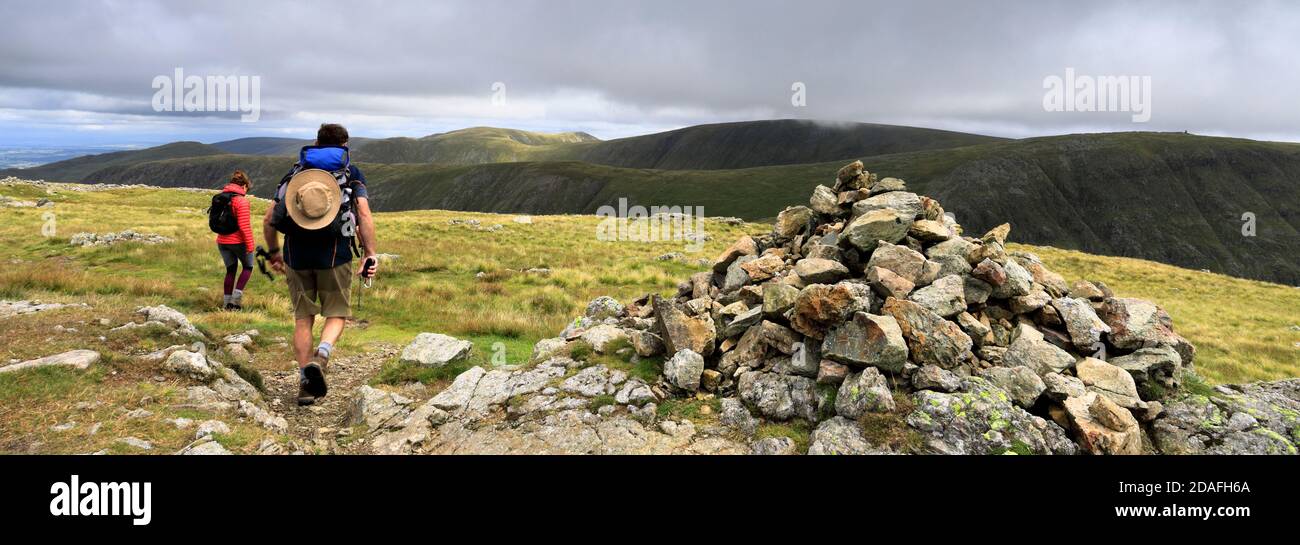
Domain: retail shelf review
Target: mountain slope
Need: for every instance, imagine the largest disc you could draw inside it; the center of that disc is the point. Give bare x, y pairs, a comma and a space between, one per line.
720, 146
80, 168
477, 145
703, 147
1173, 198
761, 143
262, 145
1167, 197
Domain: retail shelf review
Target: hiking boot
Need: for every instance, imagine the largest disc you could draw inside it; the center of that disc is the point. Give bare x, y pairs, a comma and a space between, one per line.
322, 361
313, 379
304, 398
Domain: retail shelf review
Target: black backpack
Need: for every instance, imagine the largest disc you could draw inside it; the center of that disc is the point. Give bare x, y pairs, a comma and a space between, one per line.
221, 216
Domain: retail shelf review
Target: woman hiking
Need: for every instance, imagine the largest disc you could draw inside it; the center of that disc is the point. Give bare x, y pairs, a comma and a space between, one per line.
236, 248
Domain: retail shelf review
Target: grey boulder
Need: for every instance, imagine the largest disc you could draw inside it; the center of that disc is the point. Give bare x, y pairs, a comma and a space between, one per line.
435, 350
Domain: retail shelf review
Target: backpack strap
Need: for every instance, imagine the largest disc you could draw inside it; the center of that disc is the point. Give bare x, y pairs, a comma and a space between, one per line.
347, 160
356, 250
231, 199
279, 189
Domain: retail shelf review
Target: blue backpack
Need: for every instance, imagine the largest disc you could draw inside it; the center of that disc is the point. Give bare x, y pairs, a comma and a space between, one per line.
336, 161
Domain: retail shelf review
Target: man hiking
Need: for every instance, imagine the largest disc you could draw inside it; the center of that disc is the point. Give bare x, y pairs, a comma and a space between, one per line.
322, 208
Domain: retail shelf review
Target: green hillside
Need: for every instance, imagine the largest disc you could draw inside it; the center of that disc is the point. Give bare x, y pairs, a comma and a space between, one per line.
719, 146
1172, 198
761, 143
1169, 197
262, 145
708, 147
474, 145
477, 145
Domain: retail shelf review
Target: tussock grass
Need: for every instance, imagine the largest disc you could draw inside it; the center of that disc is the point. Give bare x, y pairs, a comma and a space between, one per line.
693, 409
797, 430
396, 372
1242, 328
36, 401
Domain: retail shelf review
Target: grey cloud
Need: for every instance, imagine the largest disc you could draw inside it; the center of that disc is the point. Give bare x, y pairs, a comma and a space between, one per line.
1216, 67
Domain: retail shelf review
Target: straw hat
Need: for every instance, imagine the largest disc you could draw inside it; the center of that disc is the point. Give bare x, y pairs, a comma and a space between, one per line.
312, 198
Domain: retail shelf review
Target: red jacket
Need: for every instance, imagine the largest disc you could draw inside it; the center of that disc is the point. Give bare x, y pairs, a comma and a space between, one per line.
245, 233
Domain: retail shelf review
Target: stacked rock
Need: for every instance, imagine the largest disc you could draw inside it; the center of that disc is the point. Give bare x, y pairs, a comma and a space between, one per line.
871, 300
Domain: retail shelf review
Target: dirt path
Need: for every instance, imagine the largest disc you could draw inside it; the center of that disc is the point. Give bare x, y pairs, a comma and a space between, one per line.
315, 428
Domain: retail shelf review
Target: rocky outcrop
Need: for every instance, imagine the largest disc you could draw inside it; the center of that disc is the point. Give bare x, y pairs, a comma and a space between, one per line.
15, 308
193, 365
109, 239
545, 409
165, 317
1102, 426
869, 319
684, 369
76, 359
435, 350
1259, 418
981, 419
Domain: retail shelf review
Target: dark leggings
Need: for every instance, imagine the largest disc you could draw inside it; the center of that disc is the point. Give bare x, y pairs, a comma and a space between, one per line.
234, 255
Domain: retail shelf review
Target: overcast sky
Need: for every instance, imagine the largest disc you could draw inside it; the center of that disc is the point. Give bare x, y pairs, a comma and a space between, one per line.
82, 72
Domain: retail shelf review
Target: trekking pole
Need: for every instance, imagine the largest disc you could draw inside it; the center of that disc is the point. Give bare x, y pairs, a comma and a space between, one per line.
262, 256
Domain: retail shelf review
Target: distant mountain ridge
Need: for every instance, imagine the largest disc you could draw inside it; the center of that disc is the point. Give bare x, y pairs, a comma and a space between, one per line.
262, 145
762, 143
475, 145
84, 168
1168, 197
703, 147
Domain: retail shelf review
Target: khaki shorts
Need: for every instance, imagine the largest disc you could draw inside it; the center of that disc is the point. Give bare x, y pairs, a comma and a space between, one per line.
321, 291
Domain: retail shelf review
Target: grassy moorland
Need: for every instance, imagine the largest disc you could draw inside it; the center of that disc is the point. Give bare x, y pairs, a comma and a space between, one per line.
469, 281
1169, 197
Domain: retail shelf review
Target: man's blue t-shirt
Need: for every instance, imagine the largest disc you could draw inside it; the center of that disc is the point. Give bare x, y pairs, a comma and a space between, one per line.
322, 249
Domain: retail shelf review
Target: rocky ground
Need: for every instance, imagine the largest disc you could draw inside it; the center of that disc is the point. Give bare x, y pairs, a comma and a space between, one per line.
558, 406
563, 403
211, 381
868, 318
864, 323
325, 425
574, 410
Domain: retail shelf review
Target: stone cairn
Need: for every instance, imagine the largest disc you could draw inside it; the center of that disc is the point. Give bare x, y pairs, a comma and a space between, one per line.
869, 307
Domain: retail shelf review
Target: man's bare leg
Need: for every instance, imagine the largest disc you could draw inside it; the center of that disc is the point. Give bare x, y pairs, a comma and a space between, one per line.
328, 336
333, 330
311, 376
302, 349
